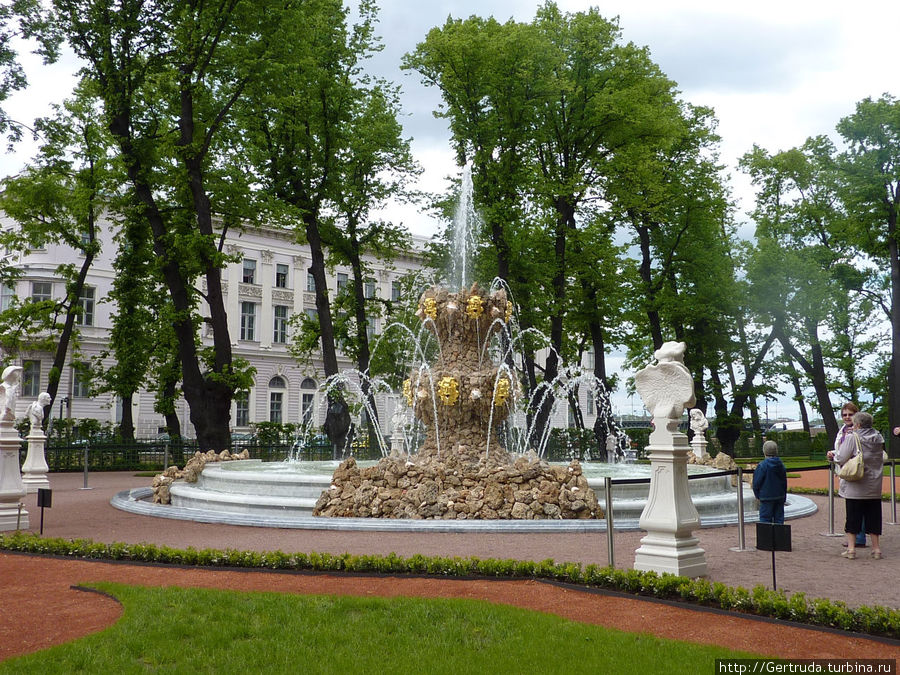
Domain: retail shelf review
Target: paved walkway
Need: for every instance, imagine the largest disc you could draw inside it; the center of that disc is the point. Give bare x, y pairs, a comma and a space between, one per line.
813, 567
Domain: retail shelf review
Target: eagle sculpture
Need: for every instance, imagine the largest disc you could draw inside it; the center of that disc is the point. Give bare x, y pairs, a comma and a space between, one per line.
666, 387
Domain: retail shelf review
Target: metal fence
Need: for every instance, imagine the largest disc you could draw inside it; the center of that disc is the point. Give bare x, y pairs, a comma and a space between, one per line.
155, 455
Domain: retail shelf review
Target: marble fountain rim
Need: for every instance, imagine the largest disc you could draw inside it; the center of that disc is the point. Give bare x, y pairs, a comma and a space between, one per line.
137, 501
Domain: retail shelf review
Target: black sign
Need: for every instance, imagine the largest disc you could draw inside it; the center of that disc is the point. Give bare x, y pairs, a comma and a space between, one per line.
45, 497
772, 537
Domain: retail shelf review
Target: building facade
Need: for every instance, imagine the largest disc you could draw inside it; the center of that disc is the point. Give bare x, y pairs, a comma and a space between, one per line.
269, 283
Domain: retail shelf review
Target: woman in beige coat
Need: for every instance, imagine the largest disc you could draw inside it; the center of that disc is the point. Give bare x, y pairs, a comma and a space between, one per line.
862, 497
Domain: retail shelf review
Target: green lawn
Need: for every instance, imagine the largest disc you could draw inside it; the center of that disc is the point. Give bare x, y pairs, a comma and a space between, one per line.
212, 631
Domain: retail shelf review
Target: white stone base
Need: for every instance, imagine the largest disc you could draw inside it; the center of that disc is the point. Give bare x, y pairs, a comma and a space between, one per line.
663, 553
670, 515
698, 445
34, 470
34, 481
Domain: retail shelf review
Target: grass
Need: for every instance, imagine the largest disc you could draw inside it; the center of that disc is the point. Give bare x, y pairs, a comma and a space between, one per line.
192, 630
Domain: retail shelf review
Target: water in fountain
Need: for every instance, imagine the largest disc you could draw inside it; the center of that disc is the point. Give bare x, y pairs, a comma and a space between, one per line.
466, 224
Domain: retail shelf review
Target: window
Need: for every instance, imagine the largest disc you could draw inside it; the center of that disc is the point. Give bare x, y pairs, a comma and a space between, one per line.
41, 290
31, 378
86, 305
249, 272
81, 383
342, 280
242, 411
307, 401
276, 401
248, 321
395, 291
281, 276
312, 313
7, 293
277, 382
310, 282
281, 323
369, 289
590, 402
370, 330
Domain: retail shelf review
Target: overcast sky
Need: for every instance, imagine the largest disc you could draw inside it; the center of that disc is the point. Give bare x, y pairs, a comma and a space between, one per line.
774, 72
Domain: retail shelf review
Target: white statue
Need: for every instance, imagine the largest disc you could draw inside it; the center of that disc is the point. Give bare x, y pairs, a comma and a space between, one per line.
699, 423
667, 386
9, 393
36, 410
399, 421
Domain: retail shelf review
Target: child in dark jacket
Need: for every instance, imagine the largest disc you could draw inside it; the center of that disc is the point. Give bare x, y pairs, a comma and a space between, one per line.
770, 485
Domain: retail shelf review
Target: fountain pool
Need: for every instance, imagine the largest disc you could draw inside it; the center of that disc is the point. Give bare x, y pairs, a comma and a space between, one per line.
283, 494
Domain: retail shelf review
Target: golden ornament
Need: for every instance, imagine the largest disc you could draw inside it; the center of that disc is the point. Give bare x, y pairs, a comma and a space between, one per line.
501, 393
407, 392
475, 307
430, 307
448, 390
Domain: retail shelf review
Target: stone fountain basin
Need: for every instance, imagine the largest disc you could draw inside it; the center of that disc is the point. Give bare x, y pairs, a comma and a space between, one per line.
282, 494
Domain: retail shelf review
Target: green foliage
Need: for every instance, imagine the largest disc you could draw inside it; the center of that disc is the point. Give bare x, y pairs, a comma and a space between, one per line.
275, 433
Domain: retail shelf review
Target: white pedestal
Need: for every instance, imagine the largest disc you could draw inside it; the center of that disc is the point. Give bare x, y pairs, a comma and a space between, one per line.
12, 490
34, 470
670, 516
698, 445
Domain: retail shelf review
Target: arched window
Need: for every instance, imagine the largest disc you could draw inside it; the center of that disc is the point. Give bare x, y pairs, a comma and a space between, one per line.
307, 400
276, 399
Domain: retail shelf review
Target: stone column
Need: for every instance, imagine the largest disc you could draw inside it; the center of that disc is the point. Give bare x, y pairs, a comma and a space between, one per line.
35, 468
12, 490
669, 516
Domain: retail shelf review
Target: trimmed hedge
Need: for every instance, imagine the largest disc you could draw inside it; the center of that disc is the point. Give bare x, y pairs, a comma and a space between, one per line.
761, 601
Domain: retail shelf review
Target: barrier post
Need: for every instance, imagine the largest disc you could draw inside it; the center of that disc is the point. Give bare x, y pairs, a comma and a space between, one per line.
831, 532
610, 532
740, 511
86, 448
893, 493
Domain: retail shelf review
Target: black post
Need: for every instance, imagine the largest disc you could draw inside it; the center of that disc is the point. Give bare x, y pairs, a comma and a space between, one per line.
774, 585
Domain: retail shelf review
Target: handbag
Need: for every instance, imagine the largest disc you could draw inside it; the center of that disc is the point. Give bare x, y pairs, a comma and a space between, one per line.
854, 467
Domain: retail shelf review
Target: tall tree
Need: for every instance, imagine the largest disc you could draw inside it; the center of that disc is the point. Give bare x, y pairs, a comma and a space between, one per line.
871, 168
800, 226
318, 129
168, 75
59, 199
542, 108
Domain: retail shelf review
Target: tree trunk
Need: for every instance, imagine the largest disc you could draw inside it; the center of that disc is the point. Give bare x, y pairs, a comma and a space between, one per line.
645, 270
728, 428
126, 426
816, 372
362, 337
65, 336
893, 442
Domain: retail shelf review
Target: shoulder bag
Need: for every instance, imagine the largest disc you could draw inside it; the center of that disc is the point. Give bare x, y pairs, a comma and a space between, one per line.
854, 467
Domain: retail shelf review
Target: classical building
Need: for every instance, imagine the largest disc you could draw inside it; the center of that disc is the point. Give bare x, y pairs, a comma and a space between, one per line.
267, 286
270, 283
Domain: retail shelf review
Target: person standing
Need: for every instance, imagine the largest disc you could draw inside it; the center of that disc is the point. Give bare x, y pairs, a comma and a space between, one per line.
848, 410
862, 497
770, 485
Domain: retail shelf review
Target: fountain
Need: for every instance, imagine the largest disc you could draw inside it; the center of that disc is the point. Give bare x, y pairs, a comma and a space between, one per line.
461, 471
463, 475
